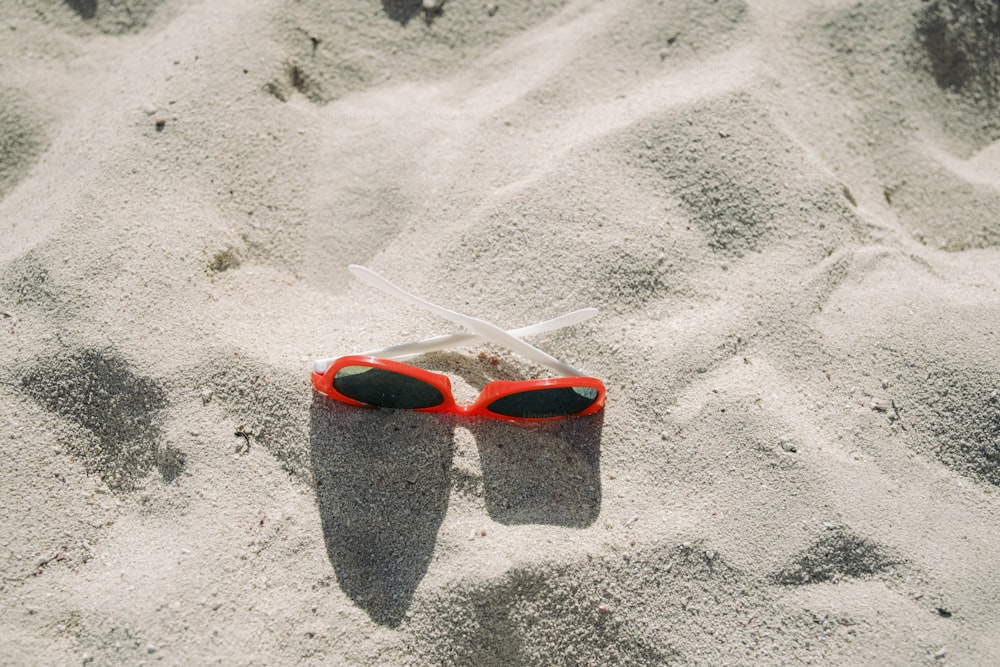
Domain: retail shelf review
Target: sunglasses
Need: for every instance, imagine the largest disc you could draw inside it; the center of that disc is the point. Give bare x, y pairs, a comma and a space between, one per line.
380, 379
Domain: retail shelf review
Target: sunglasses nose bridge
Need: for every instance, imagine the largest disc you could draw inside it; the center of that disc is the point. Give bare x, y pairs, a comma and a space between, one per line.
469, 406
460, 410
476, 406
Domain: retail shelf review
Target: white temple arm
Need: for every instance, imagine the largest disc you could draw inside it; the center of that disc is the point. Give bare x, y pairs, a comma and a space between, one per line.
481, 327
410, 350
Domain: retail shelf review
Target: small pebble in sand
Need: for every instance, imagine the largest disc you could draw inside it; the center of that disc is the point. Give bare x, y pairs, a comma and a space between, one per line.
492, 8
433, 5
788, 445
603, 609
878, 405
482, 532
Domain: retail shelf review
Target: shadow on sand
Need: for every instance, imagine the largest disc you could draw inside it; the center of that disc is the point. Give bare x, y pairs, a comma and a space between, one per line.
382, 482
402, 11
383, 479
549, 473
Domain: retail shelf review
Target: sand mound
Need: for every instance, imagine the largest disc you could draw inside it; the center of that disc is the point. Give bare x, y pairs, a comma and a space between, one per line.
962, 39
21, 140
97, 390
115, 17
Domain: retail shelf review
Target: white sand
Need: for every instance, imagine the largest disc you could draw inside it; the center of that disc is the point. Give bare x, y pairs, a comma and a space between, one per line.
786, 211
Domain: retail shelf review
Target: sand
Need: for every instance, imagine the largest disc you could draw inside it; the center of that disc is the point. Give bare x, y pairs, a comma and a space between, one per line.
787, 213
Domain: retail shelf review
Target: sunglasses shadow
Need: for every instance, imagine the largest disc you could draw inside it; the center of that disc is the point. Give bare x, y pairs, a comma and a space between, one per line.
545, 473
382, 485
533, 472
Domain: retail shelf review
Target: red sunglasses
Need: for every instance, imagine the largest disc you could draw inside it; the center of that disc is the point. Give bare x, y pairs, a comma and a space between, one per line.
373, 380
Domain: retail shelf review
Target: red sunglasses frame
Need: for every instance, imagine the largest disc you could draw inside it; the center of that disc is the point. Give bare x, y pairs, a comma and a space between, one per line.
323, 382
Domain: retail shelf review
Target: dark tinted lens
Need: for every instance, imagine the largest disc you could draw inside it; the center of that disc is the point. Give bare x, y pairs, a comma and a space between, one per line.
385, 389
540, 403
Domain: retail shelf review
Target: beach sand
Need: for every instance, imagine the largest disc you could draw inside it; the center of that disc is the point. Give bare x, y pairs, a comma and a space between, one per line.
787, 212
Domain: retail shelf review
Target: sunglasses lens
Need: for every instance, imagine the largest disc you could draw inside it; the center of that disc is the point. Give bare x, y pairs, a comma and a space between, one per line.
385, 389
541, 403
